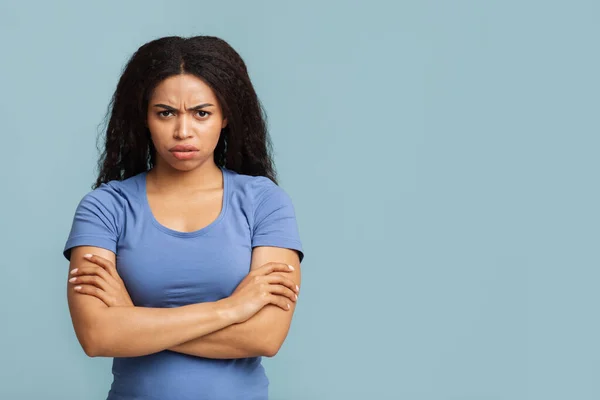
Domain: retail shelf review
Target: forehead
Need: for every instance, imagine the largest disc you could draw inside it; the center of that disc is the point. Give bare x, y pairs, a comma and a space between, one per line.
183, 87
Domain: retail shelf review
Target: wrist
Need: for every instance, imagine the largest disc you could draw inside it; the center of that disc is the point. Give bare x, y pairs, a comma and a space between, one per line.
226, 310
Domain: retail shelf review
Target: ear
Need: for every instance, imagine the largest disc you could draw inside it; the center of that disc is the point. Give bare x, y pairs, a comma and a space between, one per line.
224, 124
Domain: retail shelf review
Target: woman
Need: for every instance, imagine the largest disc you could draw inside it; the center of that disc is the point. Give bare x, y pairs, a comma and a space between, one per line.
185, 256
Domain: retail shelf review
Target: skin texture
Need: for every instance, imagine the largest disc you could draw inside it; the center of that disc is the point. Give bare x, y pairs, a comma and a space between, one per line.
184, 195
265, 332
188, 127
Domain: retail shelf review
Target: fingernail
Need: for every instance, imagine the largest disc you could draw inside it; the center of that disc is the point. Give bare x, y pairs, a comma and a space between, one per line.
297, 288
87, 256
294, 295
291, 268
77, 287
72, 279
74, 270
288, 306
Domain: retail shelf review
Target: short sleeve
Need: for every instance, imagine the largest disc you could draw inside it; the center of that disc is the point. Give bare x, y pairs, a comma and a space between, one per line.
275, 218
96, 221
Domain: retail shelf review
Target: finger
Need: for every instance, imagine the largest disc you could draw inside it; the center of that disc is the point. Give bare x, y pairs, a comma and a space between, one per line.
282, 280
283, 291
280, 302
93, 291
93, 280
104, 263
270, 267
93, 269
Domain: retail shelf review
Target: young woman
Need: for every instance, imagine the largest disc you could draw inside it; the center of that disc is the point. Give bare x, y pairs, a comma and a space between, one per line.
185, 256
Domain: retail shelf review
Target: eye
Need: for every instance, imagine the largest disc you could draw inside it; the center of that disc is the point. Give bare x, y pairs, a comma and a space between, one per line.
162, 113
203, 112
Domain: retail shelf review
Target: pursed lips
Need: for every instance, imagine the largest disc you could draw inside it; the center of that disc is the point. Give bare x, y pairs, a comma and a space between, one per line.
183, 148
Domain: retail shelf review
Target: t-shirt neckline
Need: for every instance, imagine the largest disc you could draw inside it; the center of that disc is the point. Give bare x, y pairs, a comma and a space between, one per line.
201, 231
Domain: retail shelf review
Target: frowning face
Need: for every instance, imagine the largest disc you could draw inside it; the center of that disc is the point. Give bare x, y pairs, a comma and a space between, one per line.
185, 121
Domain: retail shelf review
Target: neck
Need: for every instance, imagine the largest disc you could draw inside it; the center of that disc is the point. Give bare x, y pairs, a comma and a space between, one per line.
167, 179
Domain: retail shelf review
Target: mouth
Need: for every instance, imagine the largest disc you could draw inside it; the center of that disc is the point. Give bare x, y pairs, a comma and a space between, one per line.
184, 154
184, 151
183, 148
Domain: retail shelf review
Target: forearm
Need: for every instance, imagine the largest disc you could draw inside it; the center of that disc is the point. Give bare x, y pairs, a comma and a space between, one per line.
234, 341
252, 338
138, 331
217, 347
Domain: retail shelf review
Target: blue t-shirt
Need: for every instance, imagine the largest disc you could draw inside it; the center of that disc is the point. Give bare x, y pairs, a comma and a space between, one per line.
162, 267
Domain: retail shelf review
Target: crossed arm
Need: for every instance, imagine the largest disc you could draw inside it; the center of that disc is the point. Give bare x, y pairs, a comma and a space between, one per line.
261, 335
204, 329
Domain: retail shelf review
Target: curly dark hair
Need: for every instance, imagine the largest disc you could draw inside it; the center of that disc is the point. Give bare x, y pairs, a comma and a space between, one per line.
244, 145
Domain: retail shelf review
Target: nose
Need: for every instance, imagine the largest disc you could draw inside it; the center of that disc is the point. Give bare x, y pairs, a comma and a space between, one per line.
182, 128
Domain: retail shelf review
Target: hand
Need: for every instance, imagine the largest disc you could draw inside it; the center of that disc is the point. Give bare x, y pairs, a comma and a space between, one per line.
261, 287
266, 269
100, 279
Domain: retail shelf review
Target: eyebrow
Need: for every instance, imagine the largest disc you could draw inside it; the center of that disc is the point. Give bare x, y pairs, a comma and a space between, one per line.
198, 107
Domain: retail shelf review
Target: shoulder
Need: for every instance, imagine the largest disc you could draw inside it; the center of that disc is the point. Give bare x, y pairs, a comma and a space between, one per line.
257, 190
112, 196
107, 193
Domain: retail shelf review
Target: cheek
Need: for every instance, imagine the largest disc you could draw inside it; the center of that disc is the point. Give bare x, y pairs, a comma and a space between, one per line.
215, 132
209, 132
159, 131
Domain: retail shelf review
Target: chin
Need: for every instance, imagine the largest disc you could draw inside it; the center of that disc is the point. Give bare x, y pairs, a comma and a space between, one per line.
184, 166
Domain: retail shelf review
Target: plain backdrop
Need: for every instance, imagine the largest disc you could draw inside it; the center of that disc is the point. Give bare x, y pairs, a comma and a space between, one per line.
442, 157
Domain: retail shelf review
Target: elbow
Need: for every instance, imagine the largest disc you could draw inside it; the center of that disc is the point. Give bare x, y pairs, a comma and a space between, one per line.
90, 348
91, 344
271, 347
90, 351
270, 351
273, 340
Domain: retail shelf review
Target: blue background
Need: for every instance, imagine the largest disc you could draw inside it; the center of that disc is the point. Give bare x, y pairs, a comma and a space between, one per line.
443, 161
